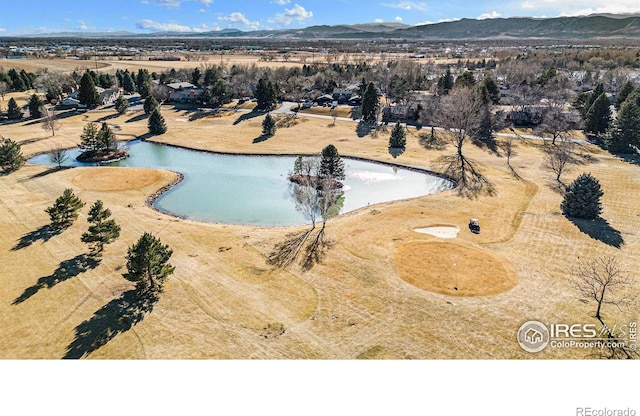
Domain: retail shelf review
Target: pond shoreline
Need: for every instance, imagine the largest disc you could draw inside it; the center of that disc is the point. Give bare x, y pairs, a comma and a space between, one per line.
358, 158
157, 202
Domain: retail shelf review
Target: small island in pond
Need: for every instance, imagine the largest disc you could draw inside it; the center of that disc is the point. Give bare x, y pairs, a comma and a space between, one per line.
320, 171
308, 180
99, 145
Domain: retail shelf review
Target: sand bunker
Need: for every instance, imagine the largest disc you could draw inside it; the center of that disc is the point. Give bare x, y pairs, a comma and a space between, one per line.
116, 179
442, 231
452, 269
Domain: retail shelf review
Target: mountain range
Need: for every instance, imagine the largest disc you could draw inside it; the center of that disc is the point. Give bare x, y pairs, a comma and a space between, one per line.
576, 27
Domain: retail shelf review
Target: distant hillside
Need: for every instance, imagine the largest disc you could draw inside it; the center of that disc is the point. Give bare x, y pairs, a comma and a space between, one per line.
579, 27
556, 28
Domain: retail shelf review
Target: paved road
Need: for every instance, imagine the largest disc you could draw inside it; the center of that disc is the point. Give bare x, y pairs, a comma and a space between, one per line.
287, 105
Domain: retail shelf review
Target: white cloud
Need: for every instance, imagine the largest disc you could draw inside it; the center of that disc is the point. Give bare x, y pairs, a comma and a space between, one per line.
408, 5
609, 8
493, 15
579, 7
298, 13
454, 19
2, 29
398, 19
206, 28
83, 25
281, 2
378, 20
237, 17
165, 3
162, 27
172, 4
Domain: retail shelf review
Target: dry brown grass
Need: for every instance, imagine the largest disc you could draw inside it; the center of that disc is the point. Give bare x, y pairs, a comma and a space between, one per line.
225, 301
116, 179
454, 270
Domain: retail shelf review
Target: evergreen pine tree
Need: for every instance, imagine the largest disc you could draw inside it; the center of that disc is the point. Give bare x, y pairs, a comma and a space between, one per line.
87, 94
127, 84
89, 138
122, 105
624, 92
102, 230
362, 87
147, 264
398, 137
156, 123
11, 158
268, 125
592, 97
106, 139
582, 198
598, 117
331, 165
445, 83
36, 105
466, 80
492, 89
65, 209
265, 95
626, 129
14, 112
196, 74
150, 104
370, 103
143, 81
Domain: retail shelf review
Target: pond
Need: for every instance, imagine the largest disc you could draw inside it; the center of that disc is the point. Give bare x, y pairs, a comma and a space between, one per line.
255, 190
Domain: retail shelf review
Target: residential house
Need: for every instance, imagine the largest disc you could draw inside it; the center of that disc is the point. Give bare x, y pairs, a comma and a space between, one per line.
183, 92
109, 96
342, 95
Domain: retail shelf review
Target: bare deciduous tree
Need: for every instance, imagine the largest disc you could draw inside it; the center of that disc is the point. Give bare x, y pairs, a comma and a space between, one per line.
4, 88
508, 146
58, 156
603, 281
461, 118
314, 194
557, 158
50, 122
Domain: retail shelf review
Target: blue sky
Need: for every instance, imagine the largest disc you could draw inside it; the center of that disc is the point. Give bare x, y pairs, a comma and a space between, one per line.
144, 16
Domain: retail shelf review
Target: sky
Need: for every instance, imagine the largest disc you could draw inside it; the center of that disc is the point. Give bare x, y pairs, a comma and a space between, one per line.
192, 16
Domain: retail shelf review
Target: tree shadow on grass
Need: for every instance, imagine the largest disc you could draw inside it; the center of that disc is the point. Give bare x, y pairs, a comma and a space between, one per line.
364, 128
44, 233
599, 229
489, 144
65, 271
116, 317
49, 171
137, 118
261, 138
248, 116
396, 151
632, 158
107, 117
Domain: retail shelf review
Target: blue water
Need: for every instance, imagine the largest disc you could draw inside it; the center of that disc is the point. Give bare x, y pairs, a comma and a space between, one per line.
254, 190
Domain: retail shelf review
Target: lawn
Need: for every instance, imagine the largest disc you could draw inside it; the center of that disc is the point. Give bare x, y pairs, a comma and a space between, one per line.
382, 290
